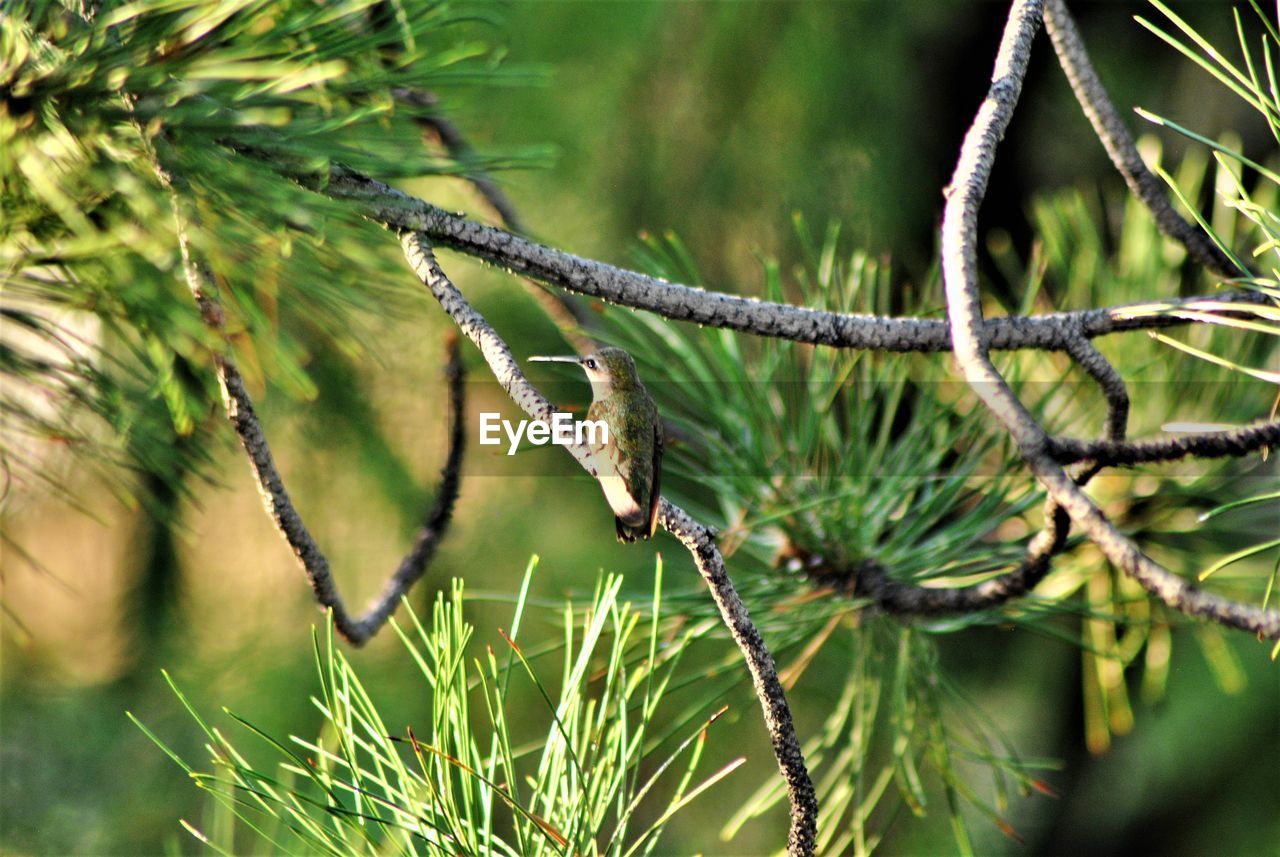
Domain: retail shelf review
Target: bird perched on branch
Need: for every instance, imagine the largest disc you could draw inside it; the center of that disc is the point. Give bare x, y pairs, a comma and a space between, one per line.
629, 456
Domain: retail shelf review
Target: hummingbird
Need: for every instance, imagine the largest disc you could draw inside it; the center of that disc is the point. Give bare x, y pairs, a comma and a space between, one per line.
629, 457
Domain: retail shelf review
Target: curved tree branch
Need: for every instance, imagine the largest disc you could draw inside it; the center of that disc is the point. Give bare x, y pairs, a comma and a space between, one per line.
239, 409
433, 529
959, 266
872, 580
1099, 368
698, 539
563, 309
908, 599
1119, 144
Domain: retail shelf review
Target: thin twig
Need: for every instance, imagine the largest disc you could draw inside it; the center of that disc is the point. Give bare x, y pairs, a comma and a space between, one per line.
455, 143
1109, 380
1218, 444
870, 579
1099, 368
909, 599
240, 411
959, 266
563, 309
700, 542
438, 517
698, 539
1116, 139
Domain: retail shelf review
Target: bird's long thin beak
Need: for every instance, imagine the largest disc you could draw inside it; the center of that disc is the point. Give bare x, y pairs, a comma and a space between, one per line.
576, 361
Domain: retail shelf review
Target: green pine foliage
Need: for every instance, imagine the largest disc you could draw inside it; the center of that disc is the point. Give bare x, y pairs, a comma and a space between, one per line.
812, 462
609, 770
1244, 214
821, 459
98, 320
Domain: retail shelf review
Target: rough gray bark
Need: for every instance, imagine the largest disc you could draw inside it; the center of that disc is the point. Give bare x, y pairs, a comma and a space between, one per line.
697, 539
960, 279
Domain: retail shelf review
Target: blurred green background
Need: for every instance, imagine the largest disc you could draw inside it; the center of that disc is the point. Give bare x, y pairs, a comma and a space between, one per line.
716, 120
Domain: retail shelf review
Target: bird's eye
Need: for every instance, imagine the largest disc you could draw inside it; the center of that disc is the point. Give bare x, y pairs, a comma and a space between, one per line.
591, 364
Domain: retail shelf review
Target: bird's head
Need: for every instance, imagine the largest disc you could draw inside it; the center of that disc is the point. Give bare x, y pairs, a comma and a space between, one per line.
608, 369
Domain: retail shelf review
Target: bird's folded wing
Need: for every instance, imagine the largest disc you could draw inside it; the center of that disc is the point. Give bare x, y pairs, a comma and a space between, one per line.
616, 491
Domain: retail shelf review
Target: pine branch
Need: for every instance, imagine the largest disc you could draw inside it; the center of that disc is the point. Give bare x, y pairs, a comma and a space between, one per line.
1220, 444
240, 411
870, 579
1116, 139
697, 538
563, 309
971, 347
1050, 332
1069, 332
1099, 368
